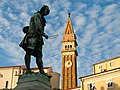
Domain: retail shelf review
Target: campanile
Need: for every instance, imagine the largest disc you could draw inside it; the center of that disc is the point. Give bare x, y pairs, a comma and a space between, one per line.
69, 55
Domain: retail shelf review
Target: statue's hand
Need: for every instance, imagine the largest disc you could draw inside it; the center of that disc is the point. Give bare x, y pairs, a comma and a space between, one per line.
46, 36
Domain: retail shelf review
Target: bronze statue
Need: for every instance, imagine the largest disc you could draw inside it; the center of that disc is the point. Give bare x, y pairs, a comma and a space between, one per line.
33, 40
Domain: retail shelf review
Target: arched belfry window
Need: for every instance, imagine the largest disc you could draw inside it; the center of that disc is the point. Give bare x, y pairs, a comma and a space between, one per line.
68, 46
65, 46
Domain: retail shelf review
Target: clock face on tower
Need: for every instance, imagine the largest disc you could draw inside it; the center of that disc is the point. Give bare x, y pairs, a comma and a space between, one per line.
68, 64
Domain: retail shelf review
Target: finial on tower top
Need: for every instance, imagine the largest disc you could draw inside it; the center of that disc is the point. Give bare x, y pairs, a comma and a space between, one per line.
69, 14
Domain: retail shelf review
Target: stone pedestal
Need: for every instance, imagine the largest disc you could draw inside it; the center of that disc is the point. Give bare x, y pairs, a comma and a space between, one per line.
34, 81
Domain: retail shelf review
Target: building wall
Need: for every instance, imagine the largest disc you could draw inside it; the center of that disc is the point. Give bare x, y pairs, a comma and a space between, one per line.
15, 76
100, 81
55, 80
6, 73
107, 65
11, 74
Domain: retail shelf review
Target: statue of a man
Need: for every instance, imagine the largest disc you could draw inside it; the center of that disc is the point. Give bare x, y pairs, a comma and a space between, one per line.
33, 40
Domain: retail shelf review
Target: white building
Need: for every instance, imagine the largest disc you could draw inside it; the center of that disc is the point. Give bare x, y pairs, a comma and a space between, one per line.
9, 76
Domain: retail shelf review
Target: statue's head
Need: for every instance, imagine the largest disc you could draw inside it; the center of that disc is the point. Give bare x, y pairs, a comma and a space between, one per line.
45, 10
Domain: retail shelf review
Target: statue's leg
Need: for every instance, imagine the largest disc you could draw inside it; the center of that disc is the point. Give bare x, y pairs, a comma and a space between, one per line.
27, 61
39, 63
40, 66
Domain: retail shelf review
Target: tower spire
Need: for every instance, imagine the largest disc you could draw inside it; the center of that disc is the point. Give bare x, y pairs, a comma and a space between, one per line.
69, 28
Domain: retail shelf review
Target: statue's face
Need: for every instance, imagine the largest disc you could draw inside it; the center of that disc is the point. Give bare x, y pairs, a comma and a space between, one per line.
47, 11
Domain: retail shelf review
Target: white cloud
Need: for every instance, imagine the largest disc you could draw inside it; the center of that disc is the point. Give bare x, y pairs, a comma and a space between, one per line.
94, 11
110, 9
65, 4
79, 6
80, 20
114, 25
0, 12
24, 18
100, 36
104, 20
11, 48
89, 32
12, 16
4, 22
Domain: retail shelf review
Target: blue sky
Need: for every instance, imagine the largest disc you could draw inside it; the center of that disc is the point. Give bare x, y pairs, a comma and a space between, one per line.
95, 22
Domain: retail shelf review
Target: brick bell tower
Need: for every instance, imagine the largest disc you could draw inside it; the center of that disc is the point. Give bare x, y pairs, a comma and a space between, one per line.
69, 54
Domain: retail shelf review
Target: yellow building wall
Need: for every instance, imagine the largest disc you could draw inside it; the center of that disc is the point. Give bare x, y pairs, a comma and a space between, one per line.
115, 64
107, 65
16, 76
7, 76
100, 80
117, 83
101, 85
11, 74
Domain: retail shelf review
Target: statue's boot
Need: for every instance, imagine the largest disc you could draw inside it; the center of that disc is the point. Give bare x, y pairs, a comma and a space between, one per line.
28, 71
40, 66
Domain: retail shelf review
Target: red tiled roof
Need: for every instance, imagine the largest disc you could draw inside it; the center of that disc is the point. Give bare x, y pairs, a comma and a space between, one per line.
12, 66
37, 68
23, 66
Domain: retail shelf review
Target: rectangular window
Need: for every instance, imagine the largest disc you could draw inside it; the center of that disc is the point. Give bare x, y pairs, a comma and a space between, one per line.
100, 67
110, 83
15, 73
112, 64
1, 75
70, 46
88, 86
91, 86
20, 72
65, 46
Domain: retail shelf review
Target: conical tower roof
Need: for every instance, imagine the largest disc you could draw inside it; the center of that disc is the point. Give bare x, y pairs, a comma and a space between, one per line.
69, 28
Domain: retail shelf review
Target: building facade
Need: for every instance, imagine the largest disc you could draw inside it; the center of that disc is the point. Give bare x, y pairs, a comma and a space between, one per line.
75, 88
9, 76
106, 76
69, 55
